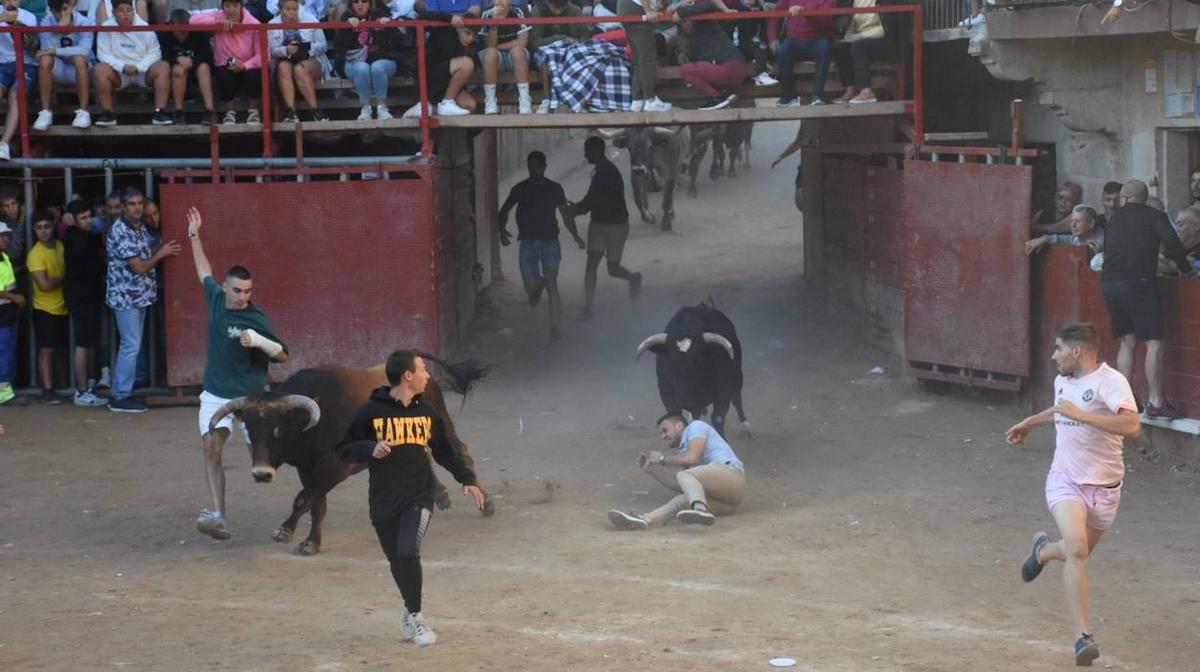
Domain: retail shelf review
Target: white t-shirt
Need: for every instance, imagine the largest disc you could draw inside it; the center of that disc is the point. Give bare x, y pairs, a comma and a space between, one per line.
1086, 454
716, 449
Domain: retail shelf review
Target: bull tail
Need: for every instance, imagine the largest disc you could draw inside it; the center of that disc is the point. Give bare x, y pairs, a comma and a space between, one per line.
460, 377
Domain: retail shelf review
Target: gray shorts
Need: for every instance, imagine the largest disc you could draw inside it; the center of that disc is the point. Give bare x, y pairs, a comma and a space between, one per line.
607, 239
506, 59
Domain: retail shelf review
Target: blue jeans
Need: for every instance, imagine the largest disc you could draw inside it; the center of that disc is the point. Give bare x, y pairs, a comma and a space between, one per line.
129, 323
371, 79
793, 51
8, 353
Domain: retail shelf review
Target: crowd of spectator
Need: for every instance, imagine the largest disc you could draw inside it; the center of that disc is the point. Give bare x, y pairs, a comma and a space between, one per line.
1132, 243
226, 67
87, 261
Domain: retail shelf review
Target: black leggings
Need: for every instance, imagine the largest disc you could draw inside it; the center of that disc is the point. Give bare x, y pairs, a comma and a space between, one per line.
244, 85
400, 536
854, 60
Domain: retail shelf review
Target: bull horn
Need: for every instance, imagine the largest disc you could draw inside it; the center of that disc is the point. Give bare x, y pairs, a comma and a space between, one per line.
231, 406
306, 404
609, 134
656, 339
663, 132
717, 339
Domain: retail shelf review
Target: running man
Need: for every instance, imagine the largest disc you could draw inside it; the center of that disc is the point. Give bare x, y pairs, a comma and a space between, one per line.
394, 432
536, 199
1093, 412
609, 227
703, 469
241, 345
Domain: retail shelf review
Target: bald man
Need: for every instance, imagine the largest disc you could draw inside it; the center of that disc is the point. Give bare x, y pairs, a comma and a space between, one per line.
1132, 240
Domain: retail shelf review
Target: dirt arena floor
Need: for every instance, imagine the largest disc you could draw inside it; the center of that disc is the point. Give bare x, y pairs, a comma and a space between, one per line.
883, 529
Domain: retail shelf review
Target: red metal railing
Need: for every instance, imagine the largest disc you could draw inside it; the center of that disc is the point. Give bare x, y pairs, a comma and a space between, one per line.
428, 122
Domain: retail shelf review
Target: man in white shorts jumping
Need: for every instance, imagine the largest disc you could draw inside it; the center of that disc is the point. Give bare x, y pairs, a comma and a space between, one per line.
1093, 412
703, 469
241, 345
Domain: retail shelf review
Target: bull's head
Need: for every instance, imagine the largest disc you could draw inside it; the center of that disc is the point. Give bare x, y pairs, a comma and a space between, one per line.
273, 422
682, 347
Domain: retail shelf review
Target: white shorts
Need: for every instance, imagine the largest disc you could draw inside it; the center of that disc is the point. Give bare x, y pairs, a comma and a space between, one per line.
209, 405
138, 80
63, 72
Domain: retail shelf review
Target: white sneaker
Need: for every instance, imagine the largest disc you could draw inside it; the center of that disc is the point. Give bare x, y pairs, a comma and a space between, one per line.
365, 113
414, 628
544, 107
657, 105
524, 104
44, 119
449, 108
637, 106
4, 153
414, 112
82, 119
764, 79
87, 398
382, 113
490, 107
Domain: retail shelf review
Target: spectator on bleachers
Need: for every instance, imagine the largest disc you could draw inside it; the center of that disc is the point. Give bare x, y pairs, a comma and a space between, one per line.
543, 35
604, 8
752, 42
1085, 230
322, 9
163, 11
1111, 195
83, 290
13, 15
1132, 241
808, 38
11, 302
1066, 197
65, 58
11, 214
447, 65
369, 57
238, 60
190, 56
865, 39
506, 49
645, 53
130, 59
299, 56
50, 322
100, 11
715, 67
132, 288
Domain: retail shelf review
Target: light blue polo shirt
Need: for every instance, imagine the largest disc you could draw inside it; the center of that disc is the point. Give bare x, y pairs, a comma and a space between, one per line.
716, 449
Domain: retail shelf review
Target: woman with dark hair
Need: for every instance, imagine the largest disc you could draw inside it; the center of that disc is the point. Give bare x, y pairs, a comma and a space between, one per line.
368, 56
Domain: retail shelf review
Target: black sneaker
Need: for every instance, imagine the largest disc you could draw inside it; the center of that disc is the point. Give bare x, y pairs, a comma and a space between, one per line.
788, 102
696, 517
210, 118
104, 118
1031, 568
127, 405
291, 117
319, 114
50, 398
1086, 651
180, 118
161, 118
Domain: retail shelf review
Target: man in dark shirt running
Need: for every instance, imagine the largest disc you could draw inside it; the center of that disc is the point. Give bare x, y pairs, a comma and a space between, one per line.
1131, 242
609, 227
536, 200
241, 345
394, 433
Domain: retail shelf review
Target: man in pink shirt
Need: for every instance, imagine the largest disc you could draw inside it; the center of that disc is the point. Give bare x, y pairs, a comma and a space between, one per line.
809, 38
239, 62
1093, 412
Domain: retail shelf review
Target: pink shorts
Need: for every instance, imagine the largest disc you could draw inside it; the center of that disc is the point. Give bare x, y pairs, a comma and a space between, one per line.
1100, 501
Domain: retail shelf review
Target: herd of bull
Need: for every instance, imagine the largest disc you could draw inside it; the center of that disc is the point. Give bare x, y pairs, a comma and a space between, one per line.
699, 366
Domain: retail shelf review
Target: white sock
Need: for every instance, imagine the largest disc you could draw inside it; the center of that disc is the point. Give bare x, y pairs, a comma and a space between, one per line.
489, 92
523, 90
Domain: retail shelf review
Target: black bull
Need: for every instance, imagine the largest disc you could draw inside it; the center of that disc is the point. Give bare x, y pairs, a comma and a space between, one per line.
699, 364
302, 423
657, 157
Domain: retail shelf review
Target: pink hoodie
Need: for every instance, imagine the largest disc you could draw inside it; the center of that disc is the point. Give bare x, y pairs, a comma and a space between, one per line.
239, 44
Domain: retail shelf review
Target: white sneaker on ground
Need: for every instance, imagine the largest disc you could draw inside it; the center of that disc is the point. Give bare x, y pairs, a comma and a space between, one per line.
637, 106
82, 119
212, 524
544, 107
696, 517
4, 152
416, 629
364, 114
765, 79
44, 119
627, 521
414, 112
525, 107
449, 108
490, 107
657, 105
382, 113
88, 398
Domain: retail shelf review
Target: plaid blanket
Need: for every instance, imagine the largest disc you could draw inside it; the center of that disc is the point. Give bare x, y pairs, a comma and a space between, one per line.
588, 75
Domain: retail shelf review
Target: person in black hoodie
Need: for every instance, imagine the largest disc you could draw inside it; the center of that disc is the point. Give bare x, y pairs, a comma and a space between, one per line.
394, 433
191, 58
83, 288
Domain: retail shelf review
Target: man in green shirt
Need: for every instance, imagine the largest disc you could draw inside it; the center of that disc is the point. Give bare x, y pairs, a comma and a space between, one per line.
241, 345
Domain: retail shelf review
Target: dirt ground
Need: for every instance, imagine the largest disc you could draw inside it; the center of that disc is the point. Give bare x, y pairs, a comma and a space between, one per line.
883, 529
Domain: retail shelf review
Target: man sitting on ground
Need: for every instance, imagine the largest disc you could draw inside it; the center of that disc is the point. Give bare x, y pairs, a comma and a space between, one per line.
703, 469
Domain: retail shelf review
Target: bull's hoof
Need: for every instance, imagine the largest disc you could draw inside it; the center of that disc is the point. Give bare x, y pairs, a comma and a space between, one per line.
283, 535
308, 547
442, 500
489, 508
649, 219
666, 225
747, 430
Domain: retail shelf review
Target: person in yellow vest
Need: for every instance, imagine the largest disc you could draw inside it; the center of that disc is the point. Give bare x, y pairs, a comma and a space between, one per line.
864, 40
50, 322
11, 303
